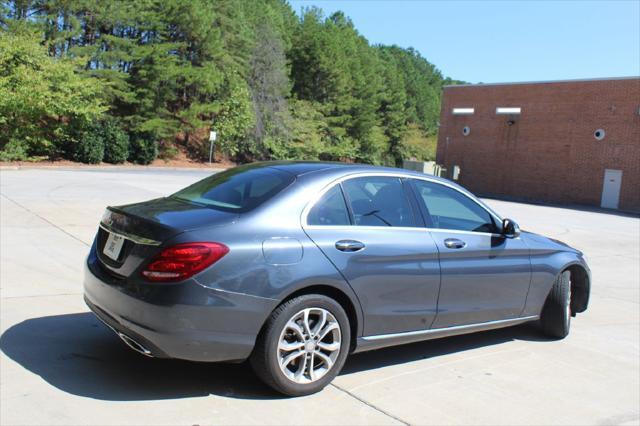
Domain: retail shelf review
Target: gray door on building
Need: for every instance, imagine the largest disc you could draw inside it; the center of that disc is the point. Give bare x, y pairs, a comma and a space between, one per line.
611, 188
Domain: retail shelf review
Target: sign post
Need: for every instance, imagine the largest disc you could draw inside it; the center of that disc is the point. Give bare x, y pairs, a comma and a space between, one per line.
212, 138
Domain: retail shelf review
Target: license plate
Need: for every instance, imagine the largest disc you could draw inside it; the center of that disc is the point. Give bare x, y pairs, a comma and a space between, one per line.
113, 247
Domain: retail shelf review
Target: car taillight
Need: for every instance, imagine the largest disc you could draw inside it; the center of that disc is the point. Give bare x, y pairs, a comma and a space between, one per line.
182, 261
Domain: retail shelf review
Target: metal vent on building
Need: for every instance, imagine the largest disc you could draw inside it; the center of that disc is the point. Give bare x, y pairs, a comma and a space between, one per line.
599, 134
466, 130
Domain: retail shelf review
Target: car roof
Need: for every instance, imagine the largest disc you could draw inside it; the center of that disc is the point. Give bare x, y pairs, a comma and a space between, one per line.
299, 168
329, 171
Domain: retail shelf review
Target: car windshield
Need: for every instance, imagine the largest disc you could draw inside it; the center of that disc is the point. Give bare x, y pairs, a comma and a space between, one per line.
237, 190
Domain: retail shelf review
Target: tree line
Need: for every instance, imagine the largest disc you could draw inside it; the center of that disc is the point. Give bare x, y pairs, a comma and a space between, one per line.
116, 80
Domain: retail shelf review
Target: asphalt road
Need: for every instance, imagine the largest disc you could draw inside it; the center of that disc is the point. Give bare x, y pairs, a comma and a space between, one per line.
59, 365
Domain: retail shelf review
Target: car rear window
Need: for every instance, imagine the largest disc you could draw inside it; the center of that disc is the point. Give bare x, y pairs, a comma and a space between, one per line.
237, 190
330, 209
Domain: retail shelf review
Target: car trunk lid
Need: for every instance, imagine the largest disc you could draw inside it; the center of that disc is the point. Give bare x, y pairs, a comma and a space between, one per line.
137, 231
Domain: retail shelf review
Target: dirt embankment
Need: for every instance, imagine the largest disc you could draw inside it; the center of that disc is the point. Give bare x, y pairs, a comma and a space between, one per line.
173, 163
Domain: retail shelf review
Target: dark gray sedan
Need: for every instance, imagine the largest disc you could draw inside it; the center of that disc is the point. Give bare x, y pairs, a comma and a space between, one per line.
294, 265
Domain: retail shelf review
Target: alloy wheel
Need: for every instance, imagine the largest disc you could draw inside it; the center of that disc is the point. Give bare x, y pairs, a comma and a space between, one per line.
309, 345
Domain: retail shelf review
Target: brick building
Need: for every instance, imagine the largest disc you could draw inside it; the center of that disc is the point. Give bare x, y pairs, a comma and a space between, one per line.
567, 142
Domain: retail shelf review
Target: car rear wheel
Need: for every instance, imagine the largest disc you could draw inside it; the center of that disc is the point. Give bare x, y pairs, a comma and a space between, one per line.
556, 313
303, 345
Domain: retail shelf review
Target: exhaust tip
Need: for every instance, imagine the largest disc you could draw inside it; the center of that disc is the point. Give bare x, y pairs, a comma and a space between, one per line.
134, 344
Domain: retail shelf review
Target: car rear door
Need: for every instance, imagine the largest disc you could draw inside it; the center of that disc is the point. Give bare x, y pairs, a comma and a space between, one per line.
370, 229
485, 276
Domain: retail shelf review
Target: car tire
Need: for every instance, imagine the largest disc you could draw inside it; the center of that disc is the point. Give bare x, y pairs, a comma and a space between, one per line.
556, 313
286, 329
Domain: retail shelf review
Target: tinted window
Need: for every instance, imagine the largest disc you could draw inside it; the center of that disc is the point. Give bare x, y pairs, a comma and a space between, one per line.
378, 201
239, 189
450, 209
330, 209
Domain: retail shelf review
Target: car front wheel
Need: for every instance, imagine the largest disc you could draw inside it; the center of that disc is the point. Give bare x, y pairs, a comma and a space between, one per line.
303, 345
556, 313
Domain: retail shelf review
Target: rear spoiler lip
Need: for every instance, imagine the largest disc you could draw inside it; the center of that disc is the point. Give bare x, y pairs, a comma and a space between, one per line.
147, 231
136, 238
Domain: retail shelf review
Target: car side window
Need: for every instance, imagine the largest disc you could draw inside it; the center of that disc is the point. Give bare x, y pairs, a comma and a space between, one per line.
451, 209
330, 209
378, 201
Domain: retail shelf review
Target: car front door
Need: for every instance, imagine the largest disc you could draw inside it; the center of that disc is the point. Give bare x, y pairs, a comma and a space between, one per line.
485, 276
371, 230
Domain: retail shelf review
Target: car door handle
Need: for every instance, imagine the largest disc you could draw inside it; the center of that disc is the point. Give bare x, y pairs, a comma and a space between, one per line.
349, 245
454, 243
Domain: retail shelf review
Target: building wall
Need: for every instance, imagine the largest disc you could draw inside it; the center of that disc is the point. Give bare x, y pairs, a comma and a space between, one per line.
549, 152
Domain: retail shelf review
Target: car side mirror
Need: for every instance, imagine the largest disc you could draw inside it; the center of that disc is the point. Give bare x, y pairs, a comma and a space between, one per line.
510, 228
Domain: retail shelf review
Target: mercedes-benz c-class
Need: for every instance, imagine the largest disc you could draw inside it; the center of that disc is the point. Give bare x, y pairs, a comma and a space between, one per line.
295, 265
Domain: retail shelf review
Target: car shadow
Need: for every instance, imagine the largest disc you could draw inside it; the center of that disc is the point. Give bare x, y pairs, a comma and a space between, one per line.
438, 347
79, 355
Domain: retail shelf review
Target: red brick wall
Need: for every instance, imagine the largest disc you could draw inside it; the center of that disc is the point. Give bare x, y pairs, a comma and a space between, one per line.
550, 153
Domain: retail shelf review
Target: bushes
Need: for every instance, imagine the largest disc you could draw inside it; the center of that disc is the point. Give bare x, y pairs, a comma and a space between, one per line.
14, 150
85, 144
102, 140
106, 141
143, 148
116, 142
90, 149
417, 145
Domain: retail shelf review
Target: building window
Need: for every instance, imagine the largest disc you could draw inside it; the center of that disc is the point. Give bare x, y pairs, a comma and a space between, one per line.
508, 110
463, 111
599, 134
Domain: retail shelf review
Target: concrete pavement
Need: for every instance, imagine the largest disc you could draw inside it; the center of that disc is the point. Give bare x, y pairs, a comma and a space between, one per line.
59, 365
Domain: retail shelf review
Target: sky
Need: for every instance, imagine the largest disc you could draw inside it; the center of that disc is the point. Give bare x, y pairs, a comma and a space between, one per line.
505, 41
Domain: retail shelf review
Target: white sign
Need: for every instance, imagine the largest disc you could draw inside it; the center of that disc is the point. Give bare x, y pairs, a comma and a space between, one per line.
212, 135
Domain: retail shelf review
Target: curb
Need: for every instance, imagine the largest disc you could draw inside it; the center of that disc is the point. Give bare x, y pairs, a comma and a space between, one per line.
108, 168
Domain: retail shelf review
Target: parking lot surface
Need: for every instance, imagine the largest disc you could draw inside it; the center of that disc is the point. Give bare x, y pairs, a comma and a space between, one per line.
60, 365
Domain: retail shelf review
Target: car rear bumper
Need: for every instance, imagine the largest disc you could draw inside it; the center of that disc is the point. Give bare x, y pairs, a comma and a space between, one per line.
184, 320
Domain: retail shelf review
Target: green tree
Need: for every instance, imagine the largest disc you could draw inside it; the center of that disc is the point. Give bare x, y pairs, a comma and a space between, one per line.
41, 97
393, 105
272, 83
308, 130
234, 117
269, 83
